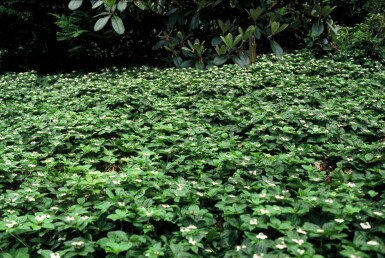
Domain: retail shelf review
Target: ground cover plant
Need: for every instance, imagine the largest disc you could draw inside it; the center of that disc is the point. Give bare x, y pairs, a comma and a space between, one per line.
283, 158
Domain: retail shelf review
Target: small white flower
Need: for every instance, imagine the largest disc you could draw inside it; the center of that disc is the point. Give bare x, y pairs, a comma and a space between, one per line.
372, 242
165, 206
41, 217
262, 195
30, 198
280, 197
301, 251
339, 220
258, 255
121, 204
84, 217
116, 182
188, 228
301, 231
200, 194
281, 246
70, 218
365, 225
298, 241
54, 208
350, 184
192, 241
253, 222
54, 255
261, 236
77, 244
264, 211
11, 224
139, 180
378, 213
239, 247
329, 201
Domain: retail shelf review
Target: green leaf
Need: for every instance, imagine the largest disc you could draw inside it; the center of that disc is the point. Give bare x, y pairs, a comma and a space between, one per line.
277, 49
101, 23
220, 60
311, 227
369, 156
244, 59
238, 61
75, 4
349, 209
216, 41
97, 4
333, 28
140, 4
159, 44
122, 5
177, 61
276, 27
22, 253
257, 33
194, 22
326, 10
187, 63
237, 39
200, 65
255, 13
110, 3
225, 26
228, 40
249, 31
110, 194
317, 28
117, 24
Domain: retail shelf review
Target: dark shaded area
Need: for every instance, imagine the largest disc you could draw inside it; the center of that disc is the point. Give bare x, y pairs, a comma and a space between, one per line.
30, 40
48, 37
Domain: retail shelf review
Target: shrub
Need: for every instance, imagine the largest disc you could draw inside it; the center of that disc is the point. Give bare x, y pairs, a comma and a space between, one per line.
366, 40
207, 33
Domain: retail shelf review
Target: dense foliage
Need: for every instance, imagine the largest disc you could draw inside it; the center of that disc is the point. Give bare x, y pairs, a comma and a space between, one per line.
283, 158
206, 33
49, 36
365, 40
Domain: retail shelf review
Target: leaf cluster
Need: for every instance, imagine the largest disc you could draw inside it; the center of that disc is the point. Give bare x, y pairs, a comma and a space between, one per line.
282, 158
